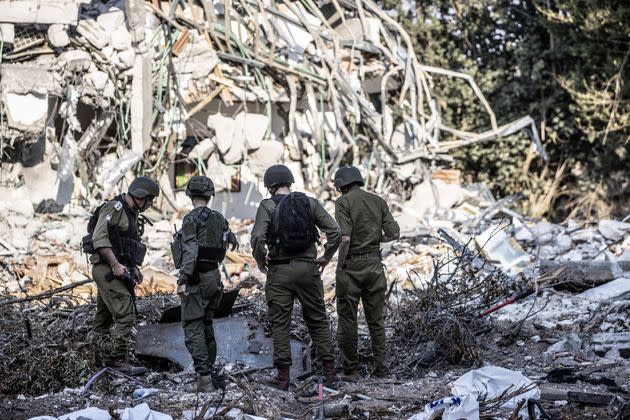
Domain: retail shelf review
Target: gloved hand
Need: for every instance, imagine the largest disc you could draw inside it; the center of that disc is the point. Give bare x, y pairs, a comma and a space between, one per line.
232, 241
322, 262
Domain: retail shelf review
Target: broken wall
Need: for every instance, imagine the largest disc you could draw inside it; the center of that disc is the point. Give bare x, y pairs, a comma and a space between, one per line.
227, 88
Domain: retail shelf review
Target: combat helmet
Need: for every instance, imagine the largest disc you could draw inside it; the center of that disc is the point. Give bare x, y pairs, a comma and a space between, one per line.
200, 186
278, 174
144, 187
348, 175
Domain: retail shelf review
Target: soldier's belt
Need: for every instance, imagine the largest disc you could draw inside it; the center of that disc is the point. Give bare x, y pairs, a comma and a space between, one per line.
205, 266
365, 255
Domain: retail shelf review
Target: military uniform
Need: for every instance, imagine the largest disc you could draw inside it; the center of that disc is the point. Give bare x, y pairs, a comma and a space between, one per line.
199, 271
364, 217
114, 303
294, 275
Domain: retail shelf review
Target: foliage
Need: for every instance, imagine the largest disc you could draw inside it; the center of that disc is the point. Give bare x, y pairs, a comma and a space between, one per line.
565, 62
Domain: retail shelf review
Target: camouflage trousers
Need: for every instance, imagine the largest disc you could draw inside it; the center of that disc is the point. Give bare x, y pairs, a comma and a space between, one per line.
113, 321
198, 308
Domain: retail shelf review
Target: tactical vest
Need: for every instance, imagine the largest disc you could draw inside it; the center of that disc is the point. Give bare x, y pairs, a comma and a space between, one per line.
127, 245
211, 238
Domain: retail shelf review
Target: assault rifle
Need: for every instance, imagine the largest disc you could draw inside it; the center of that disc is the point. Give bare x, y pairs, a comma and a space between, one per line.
130, 280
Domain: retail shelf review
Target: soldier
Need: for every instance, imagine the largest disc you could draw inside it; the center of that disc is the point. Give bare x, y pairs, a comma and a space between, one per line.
205, 235
365, 221
117, 251
286, 226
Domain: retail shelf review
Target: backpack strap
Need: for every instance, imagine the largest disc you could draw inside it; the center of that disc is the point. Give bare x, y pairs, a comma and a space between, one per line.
266, 204
203, 215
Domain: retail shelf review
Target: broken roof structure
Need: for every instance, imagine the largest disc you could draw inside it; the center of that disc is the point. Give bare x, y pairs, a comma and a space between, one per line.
96, 91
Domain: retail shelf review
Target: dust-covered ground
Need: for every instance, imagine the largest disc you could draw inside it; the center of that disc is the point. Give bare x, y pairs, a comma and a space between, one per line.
45, 364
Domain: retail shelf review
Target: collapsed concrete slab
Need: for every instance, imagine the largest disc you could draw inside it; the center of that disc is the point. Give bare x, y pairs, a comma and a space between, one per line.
41, 11
7, 33
619, 343
618, 289
26, 112
25, 92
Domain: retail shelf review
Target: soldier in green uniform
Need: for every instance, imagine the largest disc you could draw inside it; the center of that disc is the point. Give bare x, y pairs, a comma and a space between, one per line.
285, 250
365, 222
117, 248
205, 236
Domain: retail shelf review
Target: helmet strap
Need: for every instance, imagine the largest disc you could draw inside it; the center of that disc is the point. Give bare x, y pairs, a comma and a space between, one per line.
138, 206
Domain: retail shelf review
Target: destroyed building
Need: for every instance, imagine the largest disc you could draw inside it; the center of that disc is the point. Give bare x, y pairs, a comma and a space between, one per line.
95, 92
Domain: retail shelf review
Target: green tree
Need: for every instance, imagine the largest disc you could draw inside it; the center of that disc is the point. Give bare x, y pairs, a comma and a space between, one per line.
564, 63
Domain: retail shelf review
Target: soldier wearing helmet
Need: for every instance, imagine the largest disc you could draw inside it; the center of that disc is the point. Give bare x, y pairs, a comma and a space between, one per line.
283, 243
365, 222
117, 250
205, 236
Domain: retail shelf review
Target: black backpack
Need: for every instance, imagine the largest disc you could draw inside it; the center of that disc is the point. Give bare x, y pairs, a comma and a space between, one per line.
87, 246
293, 222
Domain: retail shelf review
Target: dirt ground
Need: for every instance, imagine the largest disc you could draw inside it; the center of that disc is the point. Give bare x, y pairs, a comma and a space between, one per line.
405, 393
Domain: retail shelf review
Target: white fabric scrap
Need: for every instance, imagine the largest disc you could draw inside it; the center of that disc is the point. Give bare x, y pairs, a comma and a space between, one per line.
492, 381
452, 408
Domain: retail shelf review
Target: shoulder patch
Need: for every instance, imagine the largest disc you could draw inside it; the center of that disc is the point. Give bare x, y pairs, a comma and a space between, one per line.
118, 206
189, 229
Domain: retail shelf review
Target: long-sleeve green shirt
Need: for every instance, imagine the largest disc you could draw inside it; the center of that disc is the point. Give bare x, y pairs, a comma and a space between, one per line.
263, 249
364, 217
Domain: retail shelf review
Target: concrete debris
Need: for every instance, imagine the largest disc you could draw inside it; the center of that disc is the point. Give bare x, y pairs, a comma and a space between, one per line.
40, 11
613, 230
7, 33
94, 33
500, 247
27, 112
288, 73
618, 289
572, 344
173, 89
612, 345
58, 35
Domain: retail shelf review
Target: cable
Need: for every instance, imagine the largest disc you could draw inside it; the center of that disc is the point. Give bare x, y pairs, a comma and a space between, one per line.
216, 408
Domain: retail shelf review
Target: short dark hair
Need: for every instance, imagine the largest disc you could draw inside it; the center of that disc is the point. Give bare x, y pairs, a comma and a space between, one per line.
276, 187
350, 186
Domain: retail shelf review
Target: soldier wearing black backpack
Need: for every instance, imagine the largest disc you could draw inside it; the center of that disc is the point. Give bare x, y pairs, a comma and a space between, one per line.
284, 245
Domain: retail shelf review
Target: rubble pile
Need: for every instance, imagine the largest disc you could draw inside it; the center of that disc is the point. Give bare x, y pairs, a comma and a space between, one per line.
93, 91
565, 332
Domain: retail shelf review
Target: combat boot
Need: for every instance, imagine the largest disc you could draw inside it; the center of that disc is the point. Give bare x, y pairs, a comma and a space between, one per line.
204, 383
123, 366
350, 376
381, 372
331, 380
281, 380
